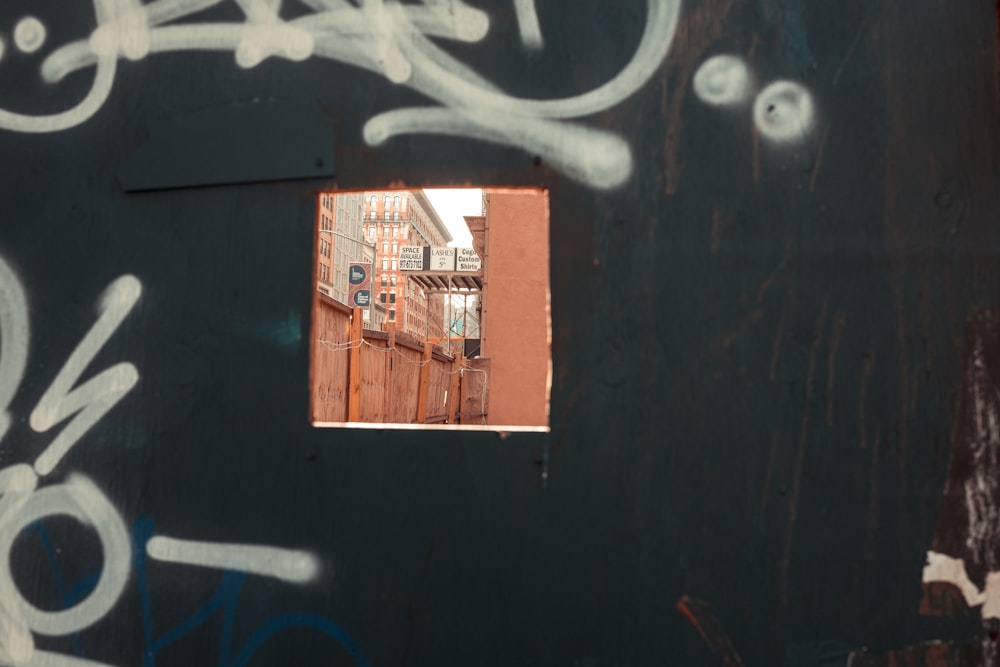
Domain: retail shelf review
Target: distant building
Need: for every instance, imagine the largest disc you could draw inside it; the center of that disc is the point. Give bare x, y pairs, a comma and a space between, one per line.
393, 219
377, 317
324, 245
341, 242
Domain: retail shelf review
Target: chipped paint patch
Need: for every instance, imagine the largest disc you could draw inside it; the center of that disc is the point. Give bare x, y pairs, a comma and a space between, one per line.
968, 526
941, 567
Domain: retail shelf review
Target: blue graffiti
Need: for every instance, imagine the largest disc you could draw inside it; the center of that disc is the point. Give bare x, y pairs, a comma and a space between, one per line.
224, 600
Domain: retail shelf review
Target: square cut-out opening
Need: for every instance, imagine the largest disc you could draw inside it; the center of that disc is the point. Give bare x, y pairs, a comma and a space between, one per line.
431, 309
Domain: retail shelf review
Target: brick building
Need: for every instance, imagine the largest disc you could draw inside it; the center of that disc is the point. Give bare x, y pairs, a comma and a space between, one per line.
396, 218
512, 238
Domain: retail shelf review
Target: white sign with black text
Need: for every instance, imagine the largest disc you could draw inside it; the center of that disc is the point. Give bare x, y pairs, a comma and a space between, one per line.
468, 260
439, 259
442, 259
411, 258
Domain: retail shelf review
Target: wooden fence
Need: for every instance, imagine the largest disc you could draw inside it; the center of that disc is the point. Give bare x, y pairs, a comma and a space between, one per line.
360, 375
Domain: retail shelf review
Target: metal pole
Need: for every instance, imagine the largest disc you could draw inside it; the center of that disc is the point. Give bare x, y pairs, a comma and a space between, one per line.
465, 320
371, 290
450, 276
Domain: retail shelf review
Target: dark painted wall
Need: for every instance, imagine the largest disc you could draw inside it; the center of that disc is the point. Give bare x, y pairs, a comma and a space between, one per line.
758, 348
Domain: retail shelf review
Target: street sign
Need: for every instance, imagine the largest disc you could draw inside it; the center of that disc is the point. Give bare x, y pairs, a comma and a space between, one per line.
359, 277
468, 260
442, 259
357, 274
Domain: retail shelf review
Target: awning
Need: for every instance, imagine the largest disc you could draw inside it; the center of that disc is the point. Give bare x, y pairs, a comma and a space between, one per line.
460, 283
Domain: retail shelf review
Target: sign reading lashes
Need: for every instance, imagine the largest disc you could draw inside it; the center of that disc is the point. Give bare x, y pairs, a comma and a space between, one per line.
442, 259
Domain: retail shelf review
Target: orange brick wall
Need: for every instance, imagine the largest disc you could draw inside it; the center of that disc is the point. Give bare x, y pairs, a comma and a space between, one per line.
516, 319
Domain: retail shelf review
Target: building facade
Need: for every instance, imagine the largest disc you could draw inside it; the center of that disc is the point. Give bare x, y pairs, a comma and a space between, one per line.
512, 239
340, 242
393, 219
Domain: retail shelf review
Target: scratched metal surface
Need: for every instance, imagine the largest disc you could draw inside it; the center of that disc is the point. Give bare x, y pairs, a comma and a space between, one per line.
759, 338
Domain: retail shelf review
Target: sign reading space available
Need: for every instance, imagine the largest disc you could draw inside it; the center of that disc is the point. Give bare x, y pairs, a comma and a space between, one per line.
411, 258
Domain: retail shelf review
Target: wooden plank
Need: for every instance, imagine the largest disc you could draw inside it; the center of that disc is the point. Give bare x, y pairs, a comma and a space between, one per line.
438, 383
354, 368
390, 328
424, 386
456, 373
406, 364
332, 329
373, 378
475, 391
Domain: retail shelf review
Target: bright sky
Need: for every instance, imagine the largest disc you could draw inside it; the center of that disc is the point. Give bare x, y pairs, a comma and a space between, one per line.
451, 205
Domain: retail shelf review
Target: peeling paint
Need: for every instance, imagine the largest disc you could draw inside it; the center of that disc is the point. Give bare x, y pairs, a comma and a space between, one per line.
940, 567
968, 526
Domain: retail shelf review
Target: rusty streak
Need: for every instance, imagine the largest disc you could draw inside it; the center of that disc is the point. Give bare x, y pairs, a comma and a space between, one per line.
708, 626
866, 376
818, 161
767, 479
850, 50
839, 322
793, 500
776, 350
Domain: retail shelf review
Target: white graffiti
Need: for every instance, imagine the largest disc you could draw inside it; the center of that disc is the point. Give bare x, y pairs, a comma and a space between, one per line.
80, 499
23, 502
29, 35
783, 111
13, 340
722, 81
296, 567
527, 23
386, 37
91, 400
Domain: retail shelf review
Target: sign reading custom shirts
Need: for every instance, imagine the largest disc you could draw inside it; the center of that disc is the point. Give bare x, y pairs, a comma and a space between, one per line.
468, 260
